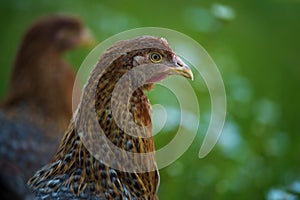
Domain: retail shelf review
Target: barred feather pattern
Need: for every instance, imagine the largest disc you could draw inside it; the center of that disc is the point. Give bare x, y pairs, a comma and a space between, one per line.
75, 173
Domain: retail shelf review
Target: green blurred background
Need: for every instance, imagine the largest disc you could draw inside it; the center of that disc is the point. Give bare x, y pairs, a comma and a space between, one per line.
256, 46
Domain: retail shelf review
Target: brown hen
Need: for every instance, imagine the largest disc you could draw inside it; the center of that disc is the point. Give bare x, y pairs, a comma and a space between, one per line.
38, 106
113, 103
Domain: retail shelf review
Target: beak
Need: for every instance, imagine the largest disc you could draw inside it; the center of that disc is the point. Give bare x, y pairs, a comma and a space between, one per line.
181, 69
86, 39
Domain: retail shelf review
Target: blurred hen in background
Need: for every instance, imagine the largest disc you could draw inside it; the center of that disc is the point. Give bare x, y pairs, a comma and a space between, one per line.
38, 104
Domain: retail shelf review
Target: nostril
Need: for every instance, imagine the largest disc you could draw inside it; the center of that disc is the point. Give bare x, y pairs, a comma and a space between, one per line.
179, 64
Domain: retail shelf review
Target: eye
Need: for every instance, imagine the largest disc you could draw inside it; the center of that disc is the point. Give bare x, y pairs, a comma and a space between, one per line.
156, 57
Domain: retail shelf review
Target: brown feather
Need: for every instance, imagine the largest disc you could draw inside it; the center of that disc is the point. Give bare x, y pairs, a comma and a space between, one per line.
38, 104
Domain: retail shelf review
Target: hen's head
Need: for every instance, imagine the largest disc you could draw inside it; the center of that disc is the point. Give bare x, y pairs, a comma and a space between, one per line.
58, 31
146, 59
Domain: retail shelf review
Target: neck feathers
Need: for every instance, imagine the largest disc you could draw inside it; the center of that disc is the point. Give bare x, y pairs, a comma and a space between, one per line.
102, 124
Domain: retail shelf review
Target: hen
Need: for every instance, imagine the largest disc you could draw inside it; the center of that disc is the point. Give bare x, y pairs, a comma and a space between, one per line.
114, 112
38, 105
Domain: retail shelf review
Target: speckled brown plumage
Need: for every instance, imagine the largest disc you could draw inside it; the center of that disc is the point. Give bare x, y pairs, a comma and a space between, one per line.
38, 105
79, 170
